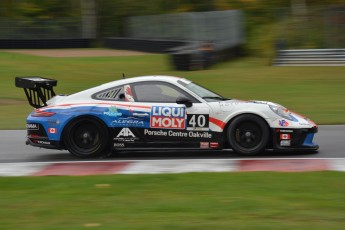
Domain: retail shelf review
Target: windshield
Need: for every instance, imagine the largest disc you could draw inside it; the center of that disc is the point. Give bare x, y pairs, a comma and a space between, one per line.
206, 94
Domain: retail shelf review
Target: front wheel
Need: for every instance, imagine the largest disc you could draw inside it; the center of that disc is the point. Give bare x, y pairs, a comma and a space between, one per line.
86, 138
248, 134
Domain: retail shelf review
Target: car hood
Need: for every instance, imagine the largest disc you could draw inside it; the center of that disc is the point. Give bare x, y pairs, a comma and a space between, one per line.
268, 103
224, 104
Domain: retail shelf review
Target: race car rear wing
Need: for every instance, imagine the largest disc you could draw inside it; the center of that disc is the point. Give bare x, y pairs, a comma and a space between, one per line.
38, 90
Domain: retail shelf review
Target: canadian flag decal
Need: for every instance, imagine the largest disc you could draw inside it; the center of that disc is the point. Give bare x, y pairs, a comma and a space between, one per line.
52, 130
284, 136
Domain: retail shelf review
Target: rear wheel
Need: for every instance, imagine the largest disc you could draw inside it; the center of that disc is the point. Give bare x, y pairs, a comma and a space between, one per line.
86, 138
248, 134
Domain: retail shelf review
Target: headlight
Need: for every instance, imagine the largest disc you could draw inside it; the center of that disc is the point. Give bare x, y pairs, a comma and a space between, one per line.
280, 111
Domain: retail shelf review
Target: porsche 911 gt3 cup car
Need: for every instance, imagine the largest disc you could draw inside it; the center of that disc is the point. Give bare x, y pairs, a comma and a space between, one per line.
158, 112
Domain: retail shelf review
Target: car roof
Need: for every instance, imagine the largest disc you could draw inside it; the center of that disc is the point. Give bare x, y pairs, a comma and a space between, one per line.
170, 79
145, 78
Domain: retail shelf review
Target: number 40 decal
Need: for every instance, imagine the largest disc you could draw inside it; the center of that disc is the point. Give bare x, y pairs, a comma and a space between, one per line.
197, 121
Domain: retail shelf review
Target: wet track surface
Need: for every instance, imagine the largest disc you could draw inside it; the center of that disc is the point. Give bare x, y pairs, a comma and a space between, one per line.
13, 149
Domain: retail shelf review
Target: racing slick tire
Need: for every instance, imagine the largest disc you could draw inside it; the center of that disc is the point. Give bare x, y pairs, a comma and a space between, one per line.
248, 134
86, 138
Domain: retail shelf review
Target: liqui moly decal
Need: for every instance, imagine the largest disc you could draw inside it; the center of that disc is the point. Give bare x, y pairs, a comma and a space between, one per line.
166, 117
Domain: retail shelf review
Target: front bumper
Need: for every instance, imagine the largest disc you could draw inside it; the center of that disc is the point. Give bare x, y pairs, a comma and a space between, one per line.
294, 139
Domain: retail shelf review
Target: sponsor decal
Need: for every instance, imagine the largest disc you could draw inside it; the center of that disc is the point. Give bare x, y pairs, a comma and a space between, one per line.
32, 126
198, 122
172, 133
125, 132
283, 123
285, 143
119, 145
155, 133
200, 134
125, 135
165, 117
228, 106
53, 122
214, 145
128, 122
112, 112
225, 104
301, 123
285, 131
285, 136
43, 142
204, 145
166, 111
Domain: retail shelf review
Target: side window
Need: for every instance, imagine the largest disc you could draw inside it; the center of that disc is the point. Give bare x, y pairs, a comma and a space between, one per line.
112, 94
158, 92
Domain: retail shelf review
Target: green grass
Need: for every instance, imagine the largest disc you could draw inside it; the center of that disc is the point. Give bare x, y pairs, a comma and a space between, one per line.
175, 201
317, 92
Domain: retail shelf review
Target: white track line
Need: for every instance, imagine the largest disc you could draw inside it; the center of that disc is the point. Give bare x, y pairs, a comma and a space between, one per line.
166, 166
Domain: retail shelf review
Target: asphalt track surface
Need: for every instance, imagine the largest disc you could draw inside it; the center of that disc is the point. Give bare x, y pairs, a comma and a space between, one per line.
331, 139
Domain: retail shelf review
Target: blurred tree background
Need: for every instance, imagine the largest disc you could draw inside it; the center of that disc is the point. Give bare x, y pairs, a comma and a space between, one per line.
267, 22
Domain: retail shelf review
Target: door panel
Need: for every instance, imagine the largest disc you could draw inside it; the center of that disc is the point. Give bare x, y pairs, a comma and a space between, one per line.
171, 125
162, 123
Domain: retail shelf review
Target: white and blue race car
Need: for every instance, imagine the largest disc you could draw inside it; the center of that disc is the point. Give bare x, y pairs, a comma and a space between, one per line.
158, 112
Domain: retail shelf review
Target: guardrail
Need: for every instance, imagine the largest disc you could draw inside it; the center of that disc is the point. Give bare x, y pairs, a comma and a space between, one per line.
310, 57
44, 43
145, 45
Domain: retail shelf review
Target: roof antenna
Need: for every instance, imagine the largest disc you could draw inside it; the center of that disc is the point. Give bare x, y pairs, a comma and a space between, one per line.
123, 76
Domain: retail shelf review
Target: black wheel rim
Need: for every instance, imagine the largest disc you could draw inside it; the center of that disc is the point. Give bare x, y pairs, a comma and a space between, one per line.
86, 137
248, 135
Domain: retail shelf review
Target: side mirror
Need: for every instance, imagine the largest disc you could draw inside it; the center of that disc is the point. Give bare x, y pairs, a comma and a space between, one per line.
185, 101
